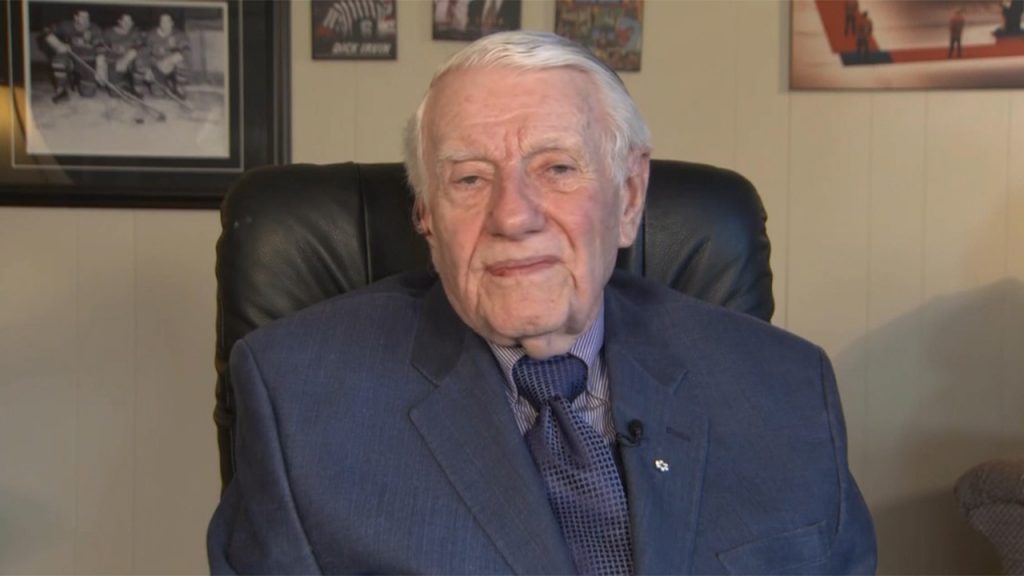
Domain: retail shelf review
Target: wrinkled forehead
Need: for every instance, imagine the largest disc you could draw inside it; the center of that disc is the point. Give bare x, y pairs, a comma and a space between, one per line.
470, 102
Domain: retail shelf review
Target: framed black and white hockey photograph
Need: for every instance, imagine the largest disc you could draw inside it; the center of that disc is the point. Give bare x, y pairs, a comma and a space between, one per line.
355, 30
139, 102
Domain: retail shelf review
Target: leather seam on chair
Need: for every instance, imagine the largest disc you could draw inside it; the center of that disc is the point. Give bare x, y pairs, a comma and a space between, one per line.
364, 208
697, 253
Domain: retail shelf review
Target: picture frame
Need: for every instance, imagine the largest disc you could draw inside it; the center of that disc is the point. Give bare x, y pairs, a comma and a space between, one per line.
612, 29
140, 103
354, 29
906, 45
468, 20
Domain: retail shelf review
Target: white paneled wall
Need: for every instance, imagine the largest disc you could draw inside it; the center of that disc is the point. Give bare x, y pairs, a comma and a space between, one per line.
106, 373
897, 224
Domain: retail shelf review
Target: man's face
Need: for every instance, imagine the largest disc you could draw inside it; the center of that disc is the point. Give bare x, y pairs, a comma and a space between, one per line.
81, 19
125, 22
522, 214
166, 23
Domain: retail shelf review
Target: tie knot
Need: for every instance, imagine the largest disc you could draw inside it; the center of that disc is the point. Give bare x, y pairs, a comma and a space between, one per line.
541, 380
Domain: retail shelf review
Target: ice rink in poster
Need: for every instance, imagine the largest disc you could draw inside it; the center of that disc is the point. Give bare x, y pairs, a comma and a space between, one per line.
915, 44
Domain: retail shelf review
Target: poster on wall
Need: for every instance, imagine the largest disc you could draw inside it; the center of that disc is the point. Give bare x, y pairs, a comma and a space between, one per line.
906, 44
612, 29
355, 30
472, 19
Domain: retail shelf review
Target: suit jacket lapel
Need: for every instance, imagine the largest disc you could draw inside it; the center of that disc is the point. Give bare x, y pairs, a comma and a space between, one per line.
664, 473
468, 426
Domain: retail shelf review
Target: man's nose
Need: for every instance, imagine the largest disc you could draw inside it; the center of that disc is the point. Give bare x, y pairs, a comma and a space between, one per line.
514, 210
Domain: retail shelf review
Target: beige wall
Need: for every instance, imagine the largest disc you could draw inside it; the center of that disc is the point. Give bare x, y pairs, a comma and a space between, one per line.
897, 221
107, 450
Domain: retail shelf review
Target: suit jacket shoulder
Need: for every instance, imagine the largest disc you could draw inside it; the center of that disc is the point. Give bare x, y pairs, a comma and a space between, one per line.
709, 340
752, 414
347, 330
398, 295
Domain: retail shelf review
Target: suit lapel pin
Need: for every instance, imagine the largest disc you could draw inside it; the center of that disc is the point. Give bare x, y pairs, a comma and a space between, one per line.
661, 465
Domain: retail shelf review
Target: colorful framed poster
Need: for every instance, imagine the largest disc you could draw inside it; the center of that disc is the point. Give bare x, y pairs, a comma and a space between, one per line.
472, 19
138, 103
906, 44
612, 29
355, 30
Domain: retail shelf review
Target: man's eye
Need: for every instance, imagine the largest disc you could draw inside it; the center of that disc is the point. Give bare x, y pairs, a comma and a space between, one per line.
468, 180
560, 169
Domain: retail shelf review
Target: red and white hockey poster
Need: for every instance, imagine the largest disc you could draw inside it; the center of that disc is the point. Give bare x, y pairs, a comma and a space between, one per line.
872, 44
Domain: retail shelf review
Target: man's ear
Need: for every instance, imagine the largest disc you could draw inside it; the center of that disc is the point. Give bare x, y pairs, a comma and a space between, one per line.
634, 194
421, 219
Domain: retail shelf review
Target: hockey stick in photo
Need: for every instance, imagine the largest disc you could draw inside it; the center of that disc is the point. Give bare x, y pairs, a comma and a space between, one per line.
160, 116
170, 93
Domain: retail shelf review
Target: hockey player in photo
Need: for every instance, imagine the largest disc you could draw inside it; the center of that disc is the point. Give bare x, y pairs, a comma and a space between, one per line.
167, 51
75, 43
119, 66
166, 75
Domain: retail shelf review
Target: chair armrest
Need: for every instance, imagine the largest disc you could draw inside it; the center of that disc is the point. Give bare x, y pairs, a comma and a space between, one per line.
992, 500
992, 482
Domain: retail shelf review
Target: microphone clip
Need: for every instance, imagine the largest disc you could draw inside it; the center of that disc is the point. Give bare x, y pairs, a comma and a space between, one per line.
634, 434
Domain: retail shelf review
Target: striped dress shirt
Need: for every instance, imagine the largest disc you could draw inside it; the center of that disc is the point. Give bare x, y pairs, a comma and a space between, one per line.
594, 404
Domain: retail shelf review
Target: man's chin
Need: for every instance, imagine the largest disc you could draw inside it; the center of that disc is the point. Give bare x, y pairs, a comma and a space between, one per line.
548, 345
516, 327
538, 344
510, 334
543, 335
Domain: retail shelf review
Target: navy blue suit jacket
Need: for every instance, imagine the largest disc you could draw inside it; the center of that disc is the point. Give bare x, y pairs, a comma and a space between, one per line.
374, 435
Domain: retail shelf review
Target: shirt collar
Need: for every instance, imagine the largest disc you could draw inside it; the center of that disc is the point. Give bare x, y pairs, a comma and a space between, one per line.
587, 348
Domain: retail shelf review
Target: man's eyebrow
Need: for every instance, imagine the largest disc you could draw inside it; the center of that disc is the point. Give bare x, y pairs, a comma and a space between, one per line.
552, 143
458, 156
572, 147
537, 151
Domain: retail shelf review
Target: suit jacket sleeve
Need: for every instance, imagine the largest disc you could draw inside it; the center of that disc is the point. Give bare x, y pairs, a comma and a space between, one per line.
257, 528
853, 547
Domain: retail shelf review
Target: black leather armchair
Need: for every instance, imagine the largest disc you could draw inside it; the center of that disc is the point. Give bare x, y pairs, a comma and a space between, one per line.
295, 235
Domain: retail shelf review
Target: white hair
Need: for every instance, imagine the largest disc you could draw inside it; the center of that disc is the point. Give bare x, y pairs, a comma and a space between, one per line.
531, 51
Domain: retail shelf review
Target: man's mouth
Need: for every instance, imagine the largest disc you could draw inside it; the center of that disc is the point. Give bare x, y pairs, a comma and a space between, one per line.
521, 266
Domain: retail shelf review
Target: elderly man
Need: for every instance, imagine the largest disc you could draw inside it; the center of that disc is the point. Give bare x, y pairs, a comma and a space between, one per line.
525, 409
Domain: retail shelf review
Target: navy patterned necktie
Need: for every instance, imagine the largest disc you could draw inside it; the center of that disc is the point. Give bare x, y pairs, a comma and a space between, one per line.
577, 465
